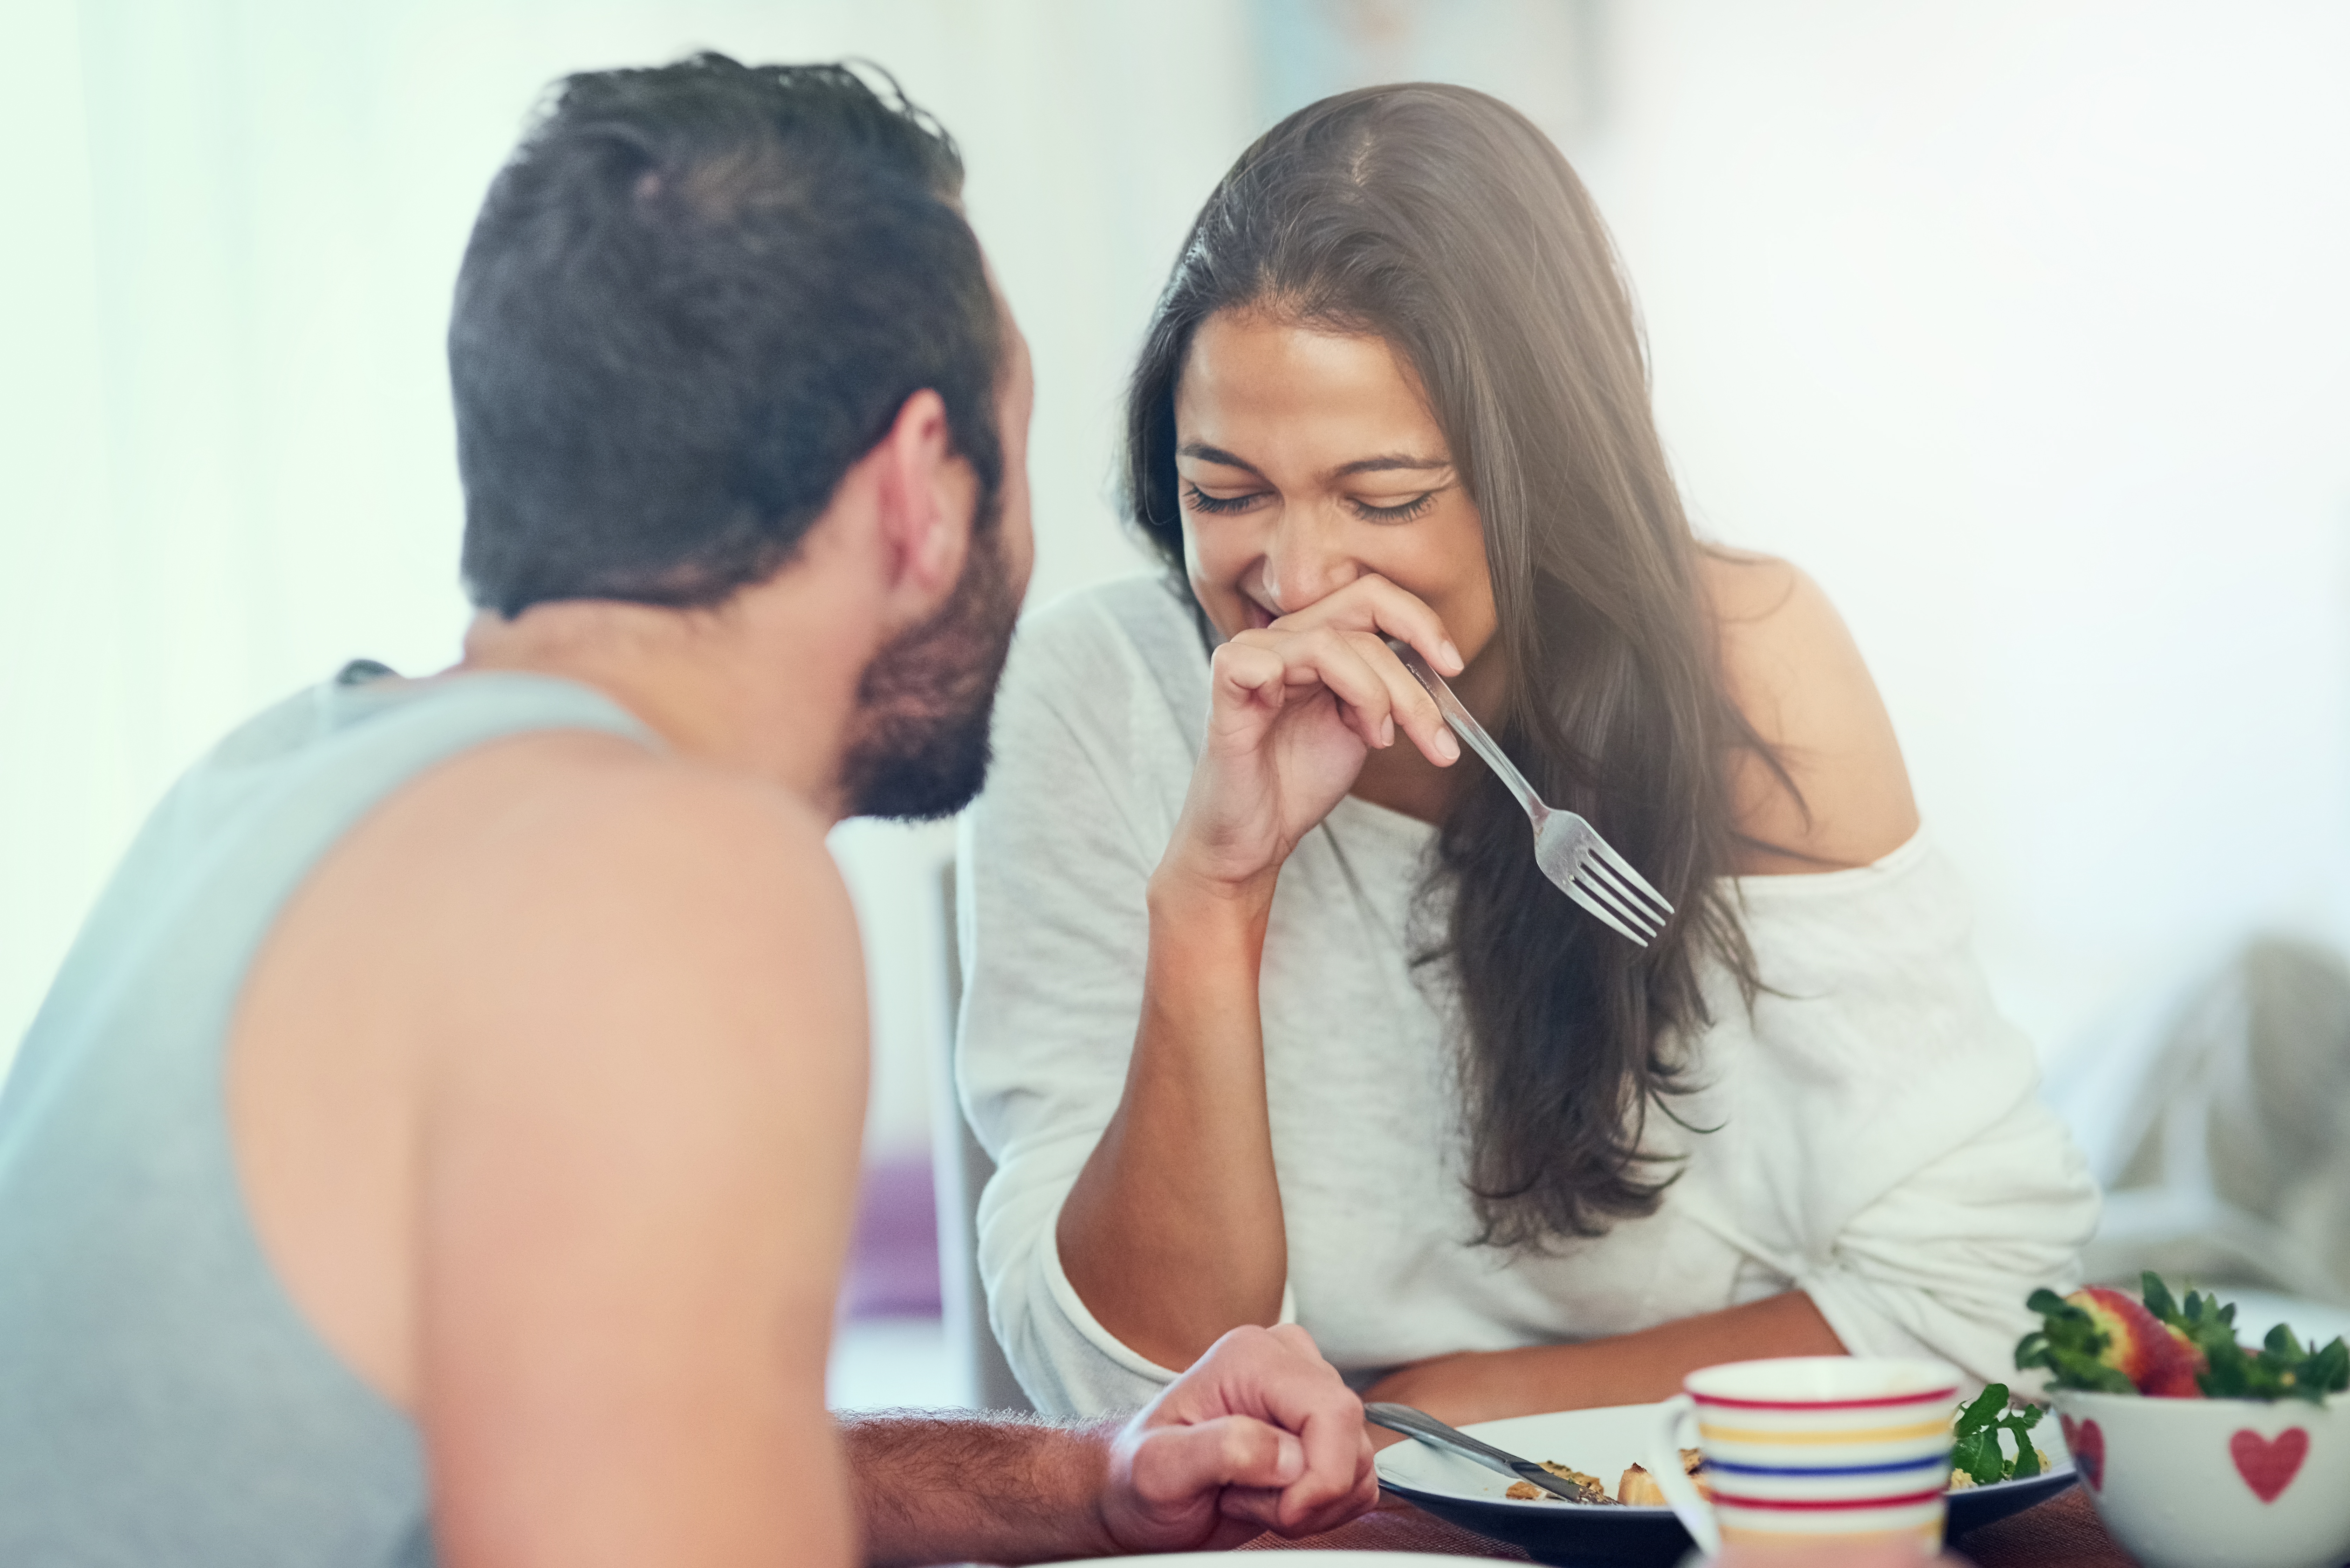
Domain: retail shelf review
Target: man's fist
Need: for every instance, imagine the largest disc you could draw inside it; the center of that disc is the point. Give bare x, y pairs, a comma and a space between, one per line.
1259, 1435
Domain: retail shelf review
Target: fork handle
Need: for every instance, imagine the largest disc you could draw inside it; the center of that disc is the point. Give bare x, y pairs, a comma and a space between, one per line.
1465, 725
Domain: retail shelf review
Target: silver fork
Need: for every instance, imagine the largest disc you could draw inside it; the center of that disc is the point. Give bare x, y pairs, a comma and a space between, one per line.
1568, 849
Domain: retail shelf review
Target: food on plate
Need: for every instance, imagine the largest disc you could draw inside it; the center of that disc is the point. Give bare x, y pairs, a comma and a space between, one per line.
2100, 1341
1575, 1478
1977, 1458
1590, 1486
1639, 1489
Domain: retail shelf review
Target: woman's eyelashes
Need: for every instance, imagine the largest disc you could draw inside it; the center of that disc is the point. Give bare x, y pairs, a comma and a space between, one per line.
1402, 512
1199, 500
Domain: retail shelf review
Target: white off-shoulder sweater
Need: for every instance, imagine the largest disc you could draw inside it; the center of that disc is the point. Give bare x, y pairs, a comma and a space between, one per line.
1877, 1139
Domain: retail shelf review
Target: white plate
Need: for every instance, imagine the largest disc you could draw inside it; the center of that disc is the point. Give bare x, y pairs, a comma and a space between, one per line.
1321, 1554
1603, 1443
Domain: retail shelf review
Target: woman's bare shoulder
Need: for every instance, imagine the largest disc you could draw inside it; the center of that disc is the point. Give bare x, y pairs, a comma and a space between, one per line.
1793, 671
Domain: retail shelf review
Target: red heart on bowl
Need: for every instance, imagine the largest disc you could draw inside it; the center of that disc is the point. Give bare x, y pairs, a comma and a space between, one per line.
2269, 1464
2088, 1442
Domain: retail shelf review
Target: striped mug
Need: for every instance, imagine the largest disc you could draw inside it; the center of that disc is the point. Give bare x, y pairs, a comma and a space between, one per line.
1813, 1456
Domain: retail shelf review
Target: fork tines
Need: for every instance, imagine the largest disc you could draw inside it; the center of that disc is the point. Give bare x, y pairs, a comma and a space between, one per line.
1605, 885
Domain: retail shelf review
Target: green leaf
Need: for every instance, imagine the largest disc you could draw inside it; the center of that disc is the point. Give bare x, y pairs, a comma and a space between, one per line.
1975, 1447
1984, 1412
2158, 1300
2076, 1370
2048, 1303
1977, 1455
2069, 1344
2329, 1369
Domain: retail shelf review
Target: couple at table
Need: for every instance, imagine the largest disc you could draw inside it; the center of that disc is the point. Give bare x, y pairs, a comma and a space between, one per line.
440, 1142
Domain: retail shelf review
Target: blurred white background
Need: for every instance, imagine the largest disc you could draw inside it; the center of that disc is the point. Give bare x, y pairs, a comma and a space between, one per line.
2023, 325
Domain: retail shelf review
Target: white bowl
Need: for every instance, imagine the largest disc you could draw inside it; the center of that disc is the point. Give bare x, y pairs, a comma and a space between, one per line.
2215, 1483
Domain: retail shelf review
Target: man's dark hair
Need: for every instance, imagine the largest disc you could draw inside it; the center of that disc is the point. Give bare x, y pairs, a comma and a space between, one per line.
695, 297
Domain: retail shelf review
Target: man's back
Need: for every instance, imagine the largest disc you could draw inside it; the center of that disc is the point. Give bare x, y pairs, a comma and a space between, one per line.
164, 1398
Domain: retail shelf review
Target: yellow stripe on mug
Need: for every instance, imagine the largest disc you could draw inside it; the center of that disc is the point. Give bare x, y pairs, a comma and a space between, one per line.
1864, 1435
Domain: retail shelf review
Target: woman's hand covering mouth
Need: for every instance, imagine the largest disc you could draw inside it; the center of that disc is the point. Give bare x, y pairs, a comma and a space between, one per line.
1296, 705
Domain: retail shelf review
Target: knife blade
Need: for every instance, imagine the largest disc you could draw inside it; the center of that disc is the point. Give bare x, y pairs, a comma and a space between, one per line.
1419, 1424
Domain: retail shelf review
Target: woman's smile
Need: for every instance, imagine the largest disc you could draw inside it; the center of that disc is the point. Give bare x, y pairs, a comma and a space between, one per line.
1307, 459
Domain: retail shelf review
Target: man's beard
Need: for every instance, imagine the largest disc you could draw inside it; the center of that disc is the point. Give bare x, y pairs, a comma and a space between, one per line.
920, 746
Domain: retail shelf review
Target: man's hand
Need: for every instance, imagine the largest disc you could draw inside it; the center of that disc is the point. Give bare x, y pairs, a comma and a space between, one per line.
1259, 1435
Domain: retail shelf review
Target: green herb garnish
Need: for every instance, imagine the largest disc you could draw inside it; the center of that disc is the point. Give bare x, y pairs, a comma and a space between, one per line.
1975, 1447
2282, 1368
2068, 1344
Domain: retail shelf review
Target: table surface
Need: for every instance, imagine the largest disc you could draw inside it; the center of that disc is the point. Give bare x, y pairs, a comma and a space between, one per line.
2062, 1532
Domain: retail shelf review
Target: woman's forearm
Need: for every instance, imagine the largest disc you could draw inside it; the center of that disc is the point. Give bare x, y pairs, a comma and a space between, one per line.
1627, 1369
1172, 1234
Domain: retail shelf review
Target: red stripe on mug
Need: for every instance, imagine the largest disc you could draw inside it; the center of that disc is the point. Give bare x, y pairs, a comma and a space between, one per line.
1904, 1500
1929, 1397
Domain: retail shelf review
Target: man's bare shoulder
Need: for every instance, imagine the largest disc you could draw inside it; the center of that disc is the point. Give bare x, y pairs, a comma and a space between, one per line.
579, 875
554, 795
1793, 671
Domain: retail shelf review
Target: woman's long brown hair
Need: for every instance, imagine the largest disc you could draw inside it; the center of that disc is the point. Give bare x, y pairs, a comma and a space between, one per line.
1444, 222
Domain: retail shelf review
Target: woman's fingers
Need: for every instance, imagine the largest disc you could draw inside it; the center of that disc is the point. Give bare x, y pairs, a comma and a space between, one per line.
1413, 709
1370, 610
1379, 695
1373, 604
1337, 661
1250, 666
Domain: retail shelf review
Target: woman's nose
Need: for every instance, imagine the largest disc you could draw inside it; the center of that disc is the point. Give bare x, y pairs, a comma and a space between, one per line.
1303, 564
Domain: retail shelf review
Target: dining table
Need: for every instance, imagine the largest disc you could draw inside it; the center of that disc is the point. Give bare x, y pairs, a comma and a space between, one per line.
2062, 1533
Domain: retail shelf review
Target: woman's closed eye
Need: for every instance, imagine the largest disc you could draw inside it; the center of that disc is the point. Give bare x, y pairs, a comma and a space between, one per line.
1199, 500
1399, 511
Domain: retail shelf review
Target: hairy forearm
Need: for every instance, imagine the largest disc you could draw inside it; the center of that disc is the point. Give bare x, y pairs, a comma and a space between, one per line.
1172, 1234
1627, 1369
988, 1489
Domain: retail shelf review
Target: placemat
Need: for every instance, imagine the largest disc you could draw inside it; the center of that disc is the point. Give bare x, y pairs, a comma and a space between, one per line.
2062, 1533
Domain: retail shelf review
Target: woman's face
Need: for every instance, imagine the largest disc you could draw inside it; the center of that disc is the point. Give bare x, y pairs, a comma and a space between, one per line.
1305, 460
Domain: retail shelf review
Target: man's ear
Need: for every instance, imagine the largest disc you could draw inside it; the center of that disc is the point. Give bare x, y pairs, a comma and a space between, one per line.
926, 494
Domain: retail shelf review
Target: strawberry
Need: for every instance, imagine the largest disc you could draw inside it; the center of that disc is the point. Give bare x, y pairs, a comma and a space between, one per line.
2156, 1358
